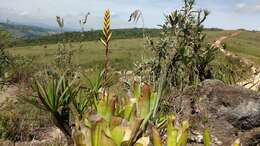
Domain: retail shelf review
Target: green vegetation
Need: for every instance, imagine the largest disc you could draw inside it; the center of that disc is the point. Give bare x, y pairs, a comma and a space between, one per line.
180, 55
101, 119
19, 120
246, 44
123, 53
81, 105
5, 58
213, 35
92, 35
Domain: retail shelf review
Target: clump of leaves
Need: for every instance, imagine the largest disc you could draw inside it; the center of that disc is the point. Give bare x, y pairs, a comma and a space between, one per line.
118, 121
96, 120
54, 94
176, 135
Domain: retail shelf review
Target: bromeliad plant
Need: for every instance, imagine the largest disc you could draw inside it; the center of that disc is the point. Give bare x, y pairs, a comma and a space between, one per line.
119, 121
54, 95
176, 135
114, 120
89, 94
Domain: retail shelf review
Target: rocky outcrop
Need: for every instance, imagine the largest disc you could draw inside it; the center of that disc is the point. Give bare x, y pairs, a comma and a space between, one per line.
232, 112
43, 137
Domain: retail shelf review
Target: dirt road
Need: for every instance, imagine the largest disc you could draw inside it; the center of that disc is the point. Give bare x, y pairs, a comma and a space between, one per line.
254, 81
10, 92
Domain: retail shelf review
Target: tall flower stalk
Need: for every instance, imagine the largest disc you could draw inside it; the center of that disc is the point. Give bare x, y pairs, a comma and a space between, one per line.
82, 22
105, 40
60, 22
135, 17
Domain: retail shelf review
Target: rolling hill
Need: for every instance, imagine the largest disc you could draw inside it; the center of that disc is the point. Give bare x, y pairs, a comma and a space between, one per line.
18, 31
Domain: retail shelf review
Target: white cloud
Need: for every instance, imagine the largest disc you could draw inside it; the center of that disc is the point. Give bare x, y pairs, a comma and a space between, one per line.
240, 5
24, 13
43, 12
249, 7
114, 15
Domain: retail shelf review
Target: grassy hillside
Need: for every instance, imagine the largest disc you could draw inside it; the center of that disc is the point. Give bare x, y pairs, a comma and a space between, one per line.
124, 52
94, 35
246, 44
25, 31
126, 47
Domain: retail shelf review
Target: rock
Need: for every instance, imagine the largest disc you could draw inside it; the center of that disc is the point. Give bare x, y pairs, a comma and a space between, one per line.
245, 115
44, 137
6, 143
251, 137
239, 106
231, 111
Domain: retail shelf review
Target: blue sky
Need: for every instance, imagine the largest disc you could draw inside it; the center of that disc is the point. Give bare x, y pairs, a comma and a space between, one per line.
228, 14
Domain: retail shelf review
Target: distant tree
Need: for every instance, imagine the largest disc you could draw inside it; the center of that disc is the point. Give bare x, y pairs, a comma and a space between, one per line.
92, 35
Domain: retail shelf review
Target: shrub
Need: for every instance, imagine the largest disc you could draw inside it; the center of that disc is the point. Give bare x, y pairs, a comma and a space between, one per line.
65, 51
64, 56
230, 70
23, 69
181, 60
5, 59
180, 53
18, 120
